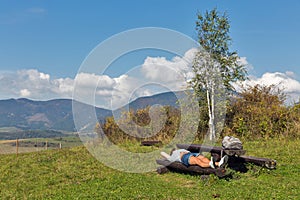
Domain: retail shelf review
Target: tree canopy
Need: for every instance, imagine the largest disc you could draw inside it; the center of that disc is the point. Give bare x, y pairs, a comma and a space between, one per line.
215, 66
213, 36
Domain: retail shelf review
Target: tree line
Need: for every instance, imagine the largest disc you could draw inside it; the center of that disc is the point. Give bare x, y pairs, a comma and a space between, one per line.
254, 113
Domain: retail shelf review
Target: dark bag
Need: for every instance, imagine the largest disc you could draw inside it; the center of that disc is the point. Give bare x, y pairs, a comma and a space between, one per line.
230, 142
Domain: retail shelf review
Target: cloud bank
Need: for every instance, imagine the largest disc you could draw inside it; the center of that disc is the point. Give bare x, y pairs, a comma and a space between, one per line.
113, 92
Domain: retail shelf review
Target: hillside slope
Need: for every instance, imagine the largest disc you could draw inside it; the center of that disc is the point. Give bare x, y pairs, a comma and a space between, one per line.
75, 174
57, 114
44, 115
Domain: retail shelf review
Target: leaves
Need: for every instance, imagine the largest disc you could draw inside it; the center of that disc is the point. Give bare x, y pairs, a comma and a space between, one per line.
138, 125
213, 37
259, 112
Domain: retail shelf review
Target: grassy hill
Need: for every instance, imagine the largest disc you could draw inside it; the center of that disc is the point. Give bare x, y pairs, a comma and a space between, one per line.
73, 173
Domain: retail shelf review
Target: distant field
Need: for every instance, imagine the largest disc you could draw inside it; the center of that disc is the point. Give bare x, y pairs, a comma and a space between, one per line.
72, 173
37, 144
9, 129
12, 133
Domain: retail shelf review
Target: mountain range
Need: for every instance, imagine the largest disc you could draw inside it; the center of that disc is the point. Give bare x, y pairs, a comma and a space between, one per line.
56, 114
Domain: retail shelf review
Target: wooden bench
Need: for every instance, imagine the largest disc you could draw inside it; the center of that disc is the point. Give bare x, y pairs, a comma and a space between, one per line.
236, 161
236, 157
193, 169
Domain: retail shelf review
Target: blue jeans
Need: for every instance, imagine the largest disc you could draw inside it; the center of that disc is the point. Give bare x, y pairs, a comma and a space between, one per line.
185, 159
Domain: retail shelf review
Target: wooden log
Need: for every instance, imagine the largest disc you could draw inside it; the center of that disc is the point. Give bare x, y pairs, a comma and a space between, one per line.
151, 143
193, 169
162, 170
264, 162
212, 149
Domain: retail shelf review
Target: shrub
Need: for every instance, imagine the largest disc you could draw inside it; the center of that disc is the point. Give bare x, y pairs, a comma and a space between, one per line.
294, 122
258, 111
146, 130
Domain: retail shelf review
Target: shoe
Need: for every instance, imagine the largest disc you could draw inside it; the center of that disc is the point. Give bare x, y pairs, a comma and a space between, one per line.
165, 155
223, 161
212, 163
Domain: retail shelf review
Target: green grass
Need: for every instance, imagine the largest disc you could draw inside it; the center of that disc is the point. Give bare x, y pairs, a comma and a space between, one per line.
73, 173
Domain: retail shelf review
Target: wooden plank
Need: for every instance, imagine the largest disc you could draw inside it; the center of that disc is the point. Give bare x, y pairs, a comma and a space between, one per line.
193, 169
212, 149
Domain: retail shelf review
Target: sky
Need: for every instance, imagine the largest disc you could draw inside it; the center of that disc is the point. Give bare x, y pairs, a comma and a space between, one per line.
43, 45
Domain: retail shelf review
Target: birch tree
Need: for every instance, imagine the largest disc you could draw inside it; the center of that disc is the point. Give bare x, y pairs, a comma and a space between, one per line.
215, 67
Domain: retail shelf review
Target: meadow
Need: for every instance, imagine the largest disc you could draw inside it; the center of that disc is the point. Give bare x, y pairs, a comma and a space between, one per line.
72, 173
37, 144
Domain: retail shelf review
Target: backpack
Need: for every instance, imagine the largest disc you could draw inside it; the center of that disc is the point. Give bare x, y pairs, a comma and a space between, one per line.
230, 142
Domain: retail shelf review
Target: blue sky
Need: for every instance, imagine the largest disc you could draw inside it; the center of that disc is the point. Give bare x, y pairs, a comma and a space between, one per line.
54, 37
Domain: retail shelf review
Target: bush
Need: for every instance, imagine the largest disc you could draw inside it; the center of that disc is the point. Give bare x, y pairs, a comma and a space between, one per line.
294, 122
258, 111
138, 125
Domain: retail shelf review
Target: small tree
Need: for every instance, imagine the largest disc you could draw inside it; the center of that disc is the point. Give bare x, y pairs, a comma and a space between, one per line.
215, 67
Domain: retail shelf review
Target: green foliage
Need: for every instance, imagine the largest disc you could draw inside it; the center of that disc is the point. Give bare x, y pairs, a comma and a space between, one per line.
294, 120
113, 129
215, 67
213, 37
259, 112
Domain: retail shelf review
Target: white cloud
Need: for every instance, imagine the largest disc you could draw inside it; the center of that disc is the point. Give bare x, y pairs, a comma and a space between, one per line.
37, 85
124, 90
25, 93
173, 73
33, 75
290, 74
167, 71
103, 90
33, 84
95, 89
285, 81
63, 85
108, 92
243, 61
92, 80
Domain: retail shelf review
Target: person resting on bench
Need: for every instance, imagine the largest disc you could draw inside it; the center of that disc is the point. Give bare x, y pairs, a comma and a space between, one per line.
187, 158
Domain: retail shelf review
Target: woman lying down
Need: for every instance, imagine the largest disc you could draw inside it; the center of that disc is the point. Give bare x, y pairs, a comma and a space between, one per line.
187, 158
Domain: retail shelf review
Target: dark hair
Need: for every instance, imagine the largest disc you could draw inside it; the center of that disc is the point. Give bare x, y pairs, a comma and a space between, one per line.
172, 151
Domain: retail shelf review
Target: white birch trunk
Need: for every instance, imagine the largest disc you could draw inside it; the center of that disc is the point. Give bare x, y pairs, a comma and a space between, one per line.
213, 131
210, 123
210, 92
